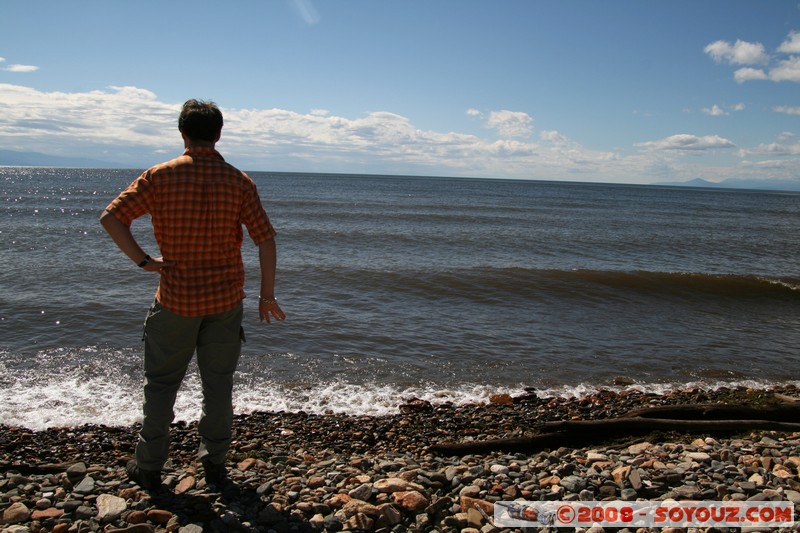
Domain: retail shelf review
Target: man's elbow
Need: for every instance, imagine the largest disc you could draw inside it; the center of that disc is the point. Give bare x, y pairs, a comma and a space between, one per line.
267, 244
108, 220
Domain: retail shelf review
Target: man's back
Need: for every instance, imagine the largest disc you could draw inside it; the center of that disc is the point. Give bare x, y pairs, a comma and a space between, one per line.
198, 203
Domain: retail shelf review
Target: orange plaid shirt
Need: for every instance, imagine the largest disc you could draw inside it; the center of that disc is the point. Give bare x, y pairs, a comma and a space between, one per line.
197, 204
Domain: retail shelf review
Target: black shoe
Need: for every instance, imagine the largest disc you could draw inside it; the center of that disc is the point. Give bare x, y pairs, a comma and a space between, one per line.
147, 479
215, 473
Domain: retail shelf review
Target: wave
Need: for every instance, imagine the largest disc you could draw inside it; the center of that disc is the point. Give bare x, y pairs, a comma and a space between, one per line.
502, 283
740, 286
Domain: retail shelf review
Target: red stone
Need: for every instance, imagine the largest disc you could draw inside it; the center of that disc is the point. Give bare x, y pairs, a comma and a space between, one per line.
42, 514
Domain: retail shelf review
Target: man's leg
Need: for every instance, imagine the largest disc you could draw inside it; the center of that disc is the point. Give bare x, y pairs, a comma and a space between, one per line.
170, 342
218, 348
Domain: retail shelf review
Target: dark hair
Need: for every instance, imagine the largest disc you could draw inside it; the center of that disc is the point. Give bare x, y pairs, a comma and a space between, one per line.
200, 120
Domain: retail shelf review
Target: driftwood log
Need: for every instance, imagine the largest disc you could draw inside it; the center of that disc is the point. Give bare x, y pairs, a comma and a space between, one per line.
713, 419
33, 469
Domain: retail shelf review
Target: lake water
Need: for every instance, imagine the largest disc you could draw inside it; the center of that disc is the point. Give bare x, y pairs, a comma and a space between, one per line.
399, 287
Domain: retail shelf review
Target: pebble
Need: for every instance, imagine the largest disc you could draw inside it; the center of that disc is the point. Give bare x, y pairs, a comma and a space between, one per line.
320, 473
110, 507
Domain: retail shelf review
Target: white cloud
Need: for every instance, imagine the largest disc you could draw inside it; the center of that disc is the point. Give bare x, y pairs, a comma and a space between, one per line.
510, 123
714, 111
21, 68
686, 142
789, 110
138, 129
739, 53
747, 74
792, 44
17, 68
745, 53
787, 70
553, 137
125, 115
786, 144
472, 112
718, 111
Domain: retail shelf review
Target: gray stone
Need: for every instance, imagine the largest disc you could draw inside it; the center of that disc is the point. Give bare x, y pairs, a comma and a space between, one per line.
686, 492
573, 483
635, 479
43, 503
110, 507
388, 515
71, 505
17, 480
332, 523
747, 486
700, 457
499, 469
389, 466
362, 492
76, 471
86, 486
84, 511
264, 488
793, 496
450, 472
470, 491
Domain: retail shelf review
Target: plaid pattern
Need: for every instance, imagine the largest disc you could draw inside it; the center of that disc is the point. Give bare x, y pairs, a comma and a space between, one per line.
197, 204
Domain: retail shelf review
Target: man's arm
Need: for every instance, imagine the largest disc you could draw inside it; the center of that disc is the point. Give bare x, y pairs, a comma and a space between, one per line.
268, 260
122, 236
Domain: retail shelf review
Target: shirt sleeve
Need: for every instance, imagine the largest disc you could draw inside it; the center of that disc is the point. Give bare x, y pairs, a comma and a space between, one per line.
133, 202
255, 218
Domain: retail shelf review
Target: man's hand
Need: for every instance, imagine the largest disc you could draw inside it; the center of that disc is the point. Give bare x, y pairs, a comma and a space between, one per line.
267, 307
157, 264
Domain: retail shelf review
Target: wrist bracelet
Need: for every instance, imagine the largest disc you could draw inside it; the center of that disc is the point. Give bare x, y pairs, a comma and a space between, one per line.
267, 301
144, 261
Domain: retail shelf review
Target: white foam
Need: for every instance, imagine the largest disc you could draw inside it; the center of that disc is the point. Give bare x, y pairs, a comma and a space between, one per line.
38, 402
352, 399
583, 389
68, 402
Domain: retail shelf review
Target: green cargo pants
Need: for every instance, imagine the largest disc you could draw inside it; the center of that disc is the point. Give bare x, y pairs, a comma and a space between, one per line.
170, 341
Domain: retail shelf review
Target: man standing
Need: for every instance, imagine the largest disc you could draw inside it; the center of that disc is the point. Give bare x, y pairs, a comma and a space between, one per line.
197, 204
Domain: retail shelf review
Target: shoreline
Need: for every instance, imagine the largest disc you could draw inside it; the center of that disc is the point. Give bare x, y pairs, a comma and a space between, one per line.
72, 401
311, 472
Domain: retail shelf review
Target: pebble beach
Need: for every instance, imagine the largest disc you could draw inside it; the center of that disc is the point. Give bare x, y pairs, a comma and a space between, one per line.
334, 472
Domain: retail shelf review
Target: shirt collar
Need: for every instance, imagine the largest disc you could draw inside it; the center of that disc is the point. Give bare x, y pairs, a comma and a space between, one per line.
202, 151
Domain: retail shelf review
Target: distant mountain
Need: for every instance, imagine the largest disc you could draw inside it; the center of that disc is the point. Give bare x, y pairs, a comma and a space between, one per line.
697, 182
35, 159
757, 184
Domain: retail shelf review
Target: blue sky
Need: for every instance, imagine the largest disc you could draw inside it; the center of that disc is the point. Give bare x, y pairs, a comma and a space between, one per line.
609, 91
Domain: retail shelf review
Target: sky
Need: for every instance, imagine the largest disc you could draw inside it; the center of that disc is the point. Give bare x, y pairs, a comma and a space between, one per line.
617, 91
